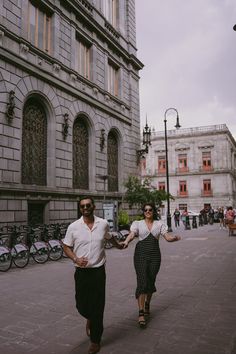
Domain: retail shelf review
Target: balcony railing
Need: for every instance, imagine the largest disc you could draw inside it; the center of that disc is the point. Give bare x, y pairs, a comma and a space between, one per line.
182, 169
208, 193
206, 169
182, 194
161, 171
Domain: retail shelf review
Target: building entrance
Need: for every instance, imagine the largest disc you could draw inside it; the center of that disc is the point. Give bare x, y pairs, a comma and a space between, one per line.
36, 213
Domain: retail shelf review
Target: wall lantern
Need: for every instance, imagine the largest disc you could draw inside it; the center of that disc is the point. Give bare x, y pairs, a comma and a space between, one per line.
146, 142
102, 139
65, 126
10, 107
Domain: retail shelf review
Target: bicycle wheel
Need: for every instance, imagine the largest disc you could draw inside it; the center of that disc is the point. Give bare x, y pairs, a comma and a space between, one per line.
55, 251
107, 244
5, 259
39, 252
20, 256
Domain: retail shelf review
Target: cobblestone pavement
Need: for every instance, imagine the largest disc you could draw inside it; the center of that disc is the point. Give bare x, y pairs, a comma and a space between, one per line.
193, 311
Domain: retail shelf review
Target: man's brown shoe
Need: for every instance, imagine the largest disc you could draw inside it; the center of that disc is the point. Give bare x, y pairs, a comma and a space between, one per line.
94, 348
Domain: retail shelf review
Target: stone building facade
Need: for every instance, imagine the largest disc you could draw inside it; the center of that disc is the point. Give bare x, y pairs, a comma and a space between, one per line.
69, 116
202, 166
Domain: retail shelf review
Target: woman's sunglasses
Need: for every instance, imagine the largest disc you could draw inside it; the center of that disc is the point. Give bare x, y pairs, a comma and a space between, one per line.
147, 209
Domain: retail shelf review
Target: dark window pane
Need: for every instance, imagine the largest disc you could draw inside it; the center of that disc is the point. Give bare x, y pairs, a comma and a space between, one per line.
112, 155
34, 144
80, 155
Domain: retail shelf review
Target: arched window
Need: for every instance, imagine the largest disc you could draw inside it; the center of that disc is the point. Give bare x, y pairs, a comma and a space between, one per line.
112, 165
80, 154
34, 144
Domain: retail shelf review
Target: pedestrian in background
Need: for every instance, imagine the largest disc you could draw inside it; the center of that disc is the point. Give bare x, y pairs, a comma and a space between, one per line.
184, 217
176, 217
221, 217
84, 244
211, 213
147, 256
229, 216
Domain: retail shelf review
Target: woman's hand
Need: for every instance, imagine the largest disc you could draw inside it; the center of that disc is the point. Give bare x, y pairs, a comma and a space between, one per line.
171, 238
176, 238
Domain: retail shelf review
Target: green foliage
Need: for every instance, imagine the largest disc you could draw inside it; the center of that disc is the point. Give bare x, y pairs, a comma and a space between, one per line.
138, 193
137, 218
123, 217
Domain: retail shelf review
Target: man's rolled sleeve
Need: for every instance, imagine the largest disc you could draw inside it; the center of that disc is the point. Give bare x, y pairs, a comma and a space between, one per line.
68, 240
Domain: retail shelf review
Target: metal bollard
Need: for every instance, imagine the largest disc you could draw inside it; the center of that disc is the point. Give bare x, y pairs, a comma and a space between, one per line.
194, 222
187, 226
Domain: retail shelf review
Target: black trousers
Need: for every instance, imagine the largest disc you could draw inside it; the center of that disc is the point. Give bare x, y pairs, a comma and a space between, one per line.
90, 298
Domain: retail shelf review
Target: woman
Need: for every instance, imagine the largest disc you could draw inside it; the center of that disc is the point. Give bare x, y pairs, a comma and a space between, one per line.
221, 217
147, 256
229, 216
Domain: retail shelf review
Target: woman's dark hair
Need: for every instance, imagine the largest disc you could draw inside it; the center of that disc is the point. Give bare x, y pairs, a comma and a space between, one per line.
153, 206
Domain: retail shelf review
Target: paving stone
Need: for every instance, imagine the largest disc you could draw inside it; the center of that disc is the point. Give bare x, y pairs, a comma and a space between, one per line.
192, 312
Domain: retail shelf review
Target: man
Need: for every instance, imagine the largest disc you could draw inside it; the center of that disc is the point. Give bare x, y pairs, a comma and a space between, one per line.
84, 244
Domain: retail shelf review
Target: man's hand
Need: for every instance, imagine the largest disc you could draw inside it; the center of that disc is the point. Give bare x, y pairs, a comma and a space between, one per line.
115, 242
124, 244
81, 262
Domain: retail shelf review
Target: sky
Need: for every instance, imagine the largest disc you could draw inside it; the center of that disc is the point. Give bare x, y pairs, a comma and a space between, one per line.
188, 48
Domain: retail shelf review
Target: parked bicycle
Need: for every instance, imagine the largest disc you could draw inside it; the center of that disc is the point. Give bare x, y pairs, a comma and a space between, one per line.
19, 250
59, 234
13, 249
54, 245
38, 248
5, 253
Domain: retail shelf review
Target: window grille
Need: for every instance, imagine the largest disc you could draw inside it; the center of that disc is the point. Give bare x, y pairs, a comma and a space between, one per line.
80, 155
112, 155
34, 144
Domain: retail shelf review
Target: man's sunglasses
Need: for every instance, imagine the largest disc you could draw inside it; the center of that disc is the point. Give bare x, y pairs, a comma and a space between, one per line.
82, 206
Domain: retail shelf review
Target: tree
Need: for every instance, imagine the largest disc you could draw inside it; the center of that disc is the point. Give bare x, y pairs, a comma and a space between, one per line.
138, 193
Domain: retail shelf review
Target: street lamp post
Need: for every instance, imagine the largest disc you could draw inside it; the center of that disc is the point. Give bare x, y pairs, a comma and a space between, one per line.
177, 126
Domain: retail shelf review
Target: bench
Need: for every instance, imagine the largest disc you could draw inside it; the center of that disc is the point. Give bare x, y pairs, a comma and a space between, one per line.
232, 229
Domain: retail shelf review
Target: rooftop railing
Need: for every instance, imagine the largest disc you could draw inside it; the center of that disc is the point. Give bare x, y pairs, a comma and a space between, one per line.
192, 131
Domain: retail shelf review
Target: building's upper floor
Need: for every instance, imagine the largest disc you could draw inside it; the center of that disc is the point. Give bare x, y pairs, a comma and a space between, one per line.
201, 150
88, 44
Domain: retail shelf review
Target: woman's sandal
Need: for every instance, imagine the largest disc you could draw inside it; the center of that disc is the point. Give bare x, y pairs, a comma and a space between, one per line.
141, 322
88, 328
147, 309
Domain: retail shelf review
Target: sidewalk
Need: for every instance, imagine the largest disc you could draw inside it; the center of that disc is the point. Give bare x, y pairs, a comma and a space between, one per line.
193, 311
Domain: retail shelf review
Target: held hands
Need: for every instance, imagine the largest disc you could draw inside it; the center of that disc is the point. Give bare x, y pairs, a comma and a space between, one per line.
121, 245
124, 244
